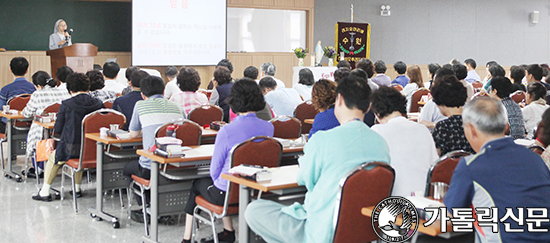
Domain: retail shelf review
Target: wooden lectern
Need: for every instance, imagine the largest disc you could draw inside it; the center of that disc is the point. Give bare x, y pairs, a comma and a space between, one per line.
80, 57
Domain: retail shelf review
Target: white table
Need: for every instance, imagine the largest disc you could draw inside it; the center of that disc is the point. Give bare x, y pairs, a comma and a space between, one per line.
318, 73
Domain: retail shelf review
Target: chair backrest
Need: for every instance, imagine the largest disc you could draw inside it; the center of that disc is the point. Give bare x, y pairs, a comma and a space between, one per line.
518, 96
417, 96
259, 150
477, 85
442, 170
479, 94
206, 114
304, 111
537, 149
397, 86
19, 102
188, 132
364, 186
286, 127
52, 108
108, 104
208, 93
91, 124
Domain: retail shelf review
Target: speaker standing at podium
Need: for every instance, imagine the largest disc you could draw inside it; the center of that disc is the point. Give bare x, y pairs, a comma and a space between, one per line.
60, 37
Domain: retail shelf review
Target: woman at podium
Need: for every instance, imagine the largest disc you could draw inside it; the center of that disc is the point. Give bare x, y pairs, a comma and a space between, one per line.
60, 37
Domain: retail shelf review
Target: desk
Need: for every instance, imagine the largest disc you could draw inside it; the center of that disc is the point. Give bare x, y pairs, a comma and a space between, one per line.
197, 155
47, 125
10, 137
318, 73
432, 230
208, 136
283, 178
112, 172
309, 121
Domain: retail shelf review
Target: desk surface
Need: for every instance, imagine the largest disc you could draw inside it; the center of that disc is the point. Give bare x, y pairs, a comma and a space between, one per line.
432, 230
110, 140
283, 177
47, 125
207, 132
12, 116
202, 152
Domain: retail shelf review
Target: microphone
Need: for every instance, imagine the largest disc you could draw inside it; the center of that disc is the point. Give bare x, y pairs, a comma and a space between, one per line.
70, 31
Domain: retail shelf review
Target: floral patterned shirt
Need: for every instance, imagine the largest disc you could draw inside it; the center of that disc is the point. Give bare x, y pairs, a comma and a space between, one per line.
449, 136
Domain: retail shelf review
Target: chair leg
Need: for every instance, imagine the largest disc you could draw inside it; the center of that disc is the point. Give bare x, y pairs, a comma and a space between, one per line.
2, 154
89, 177
74, 193
27, 168
120, 196
130, 197
144, 209
194, 225
214, 232
62, 183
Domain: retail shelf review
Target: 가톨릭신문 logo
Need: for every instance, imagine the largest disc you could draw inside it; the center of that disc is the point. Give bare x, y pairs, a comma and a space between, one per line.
395, 219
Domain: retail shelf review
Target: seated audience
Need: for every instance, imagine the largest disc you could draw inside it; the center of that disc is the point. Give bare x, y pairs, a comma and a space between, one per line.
62, 73
415, 83
517, 73
472, 75
450, 96
367, 66
268, 70
488, 74
251, 72
329, 156
503, 176
126, 103
461, 73
494, 70
19, 66
430, 114
97, 87
343, 64
222, 83
128, 74
401, 79
323, 97
543, 136
149, 114
432, 68
500, 90
412, 149
245, 98
189, 82
171, 88
369, 118
536, 105
534, 74
282, 101
46, 94
110, 72
223, 63
381, 78
305, 83
68, 124
340, 74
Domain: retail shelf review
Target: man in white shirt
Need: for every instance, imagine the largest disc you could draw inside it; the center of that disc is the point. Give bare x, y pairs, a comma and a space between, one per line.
172, 87
471, 67
268, 70
283, 101
110, 72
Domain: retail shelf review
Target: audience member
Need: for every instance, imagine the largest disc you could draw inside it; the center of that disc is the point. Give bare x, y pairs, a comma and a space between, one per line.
45, 95
367, 66
251, 72
534, 74
454, 61
472, 75
323, 97
488, 74
68, 124
415, 83
340, 74
495, 70
543, 136
401, 79
500, 89
432, 68
450, 95
62, 73
126, 103
412, 149
223, 63
245, 98
329, 156
343, 64
282, 101
517, 73
305, 83
369, 118
222, 84
110, 71
189, 82
381, 78
97, 87
430, 114
502, 176
128, 74
268, 70
171, 88
19, 66
461, 73
536, 105
545, 72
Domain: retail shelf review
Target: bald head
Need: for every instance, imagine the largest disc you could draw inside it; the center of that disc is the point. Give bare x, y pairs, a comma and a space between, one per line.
486, 114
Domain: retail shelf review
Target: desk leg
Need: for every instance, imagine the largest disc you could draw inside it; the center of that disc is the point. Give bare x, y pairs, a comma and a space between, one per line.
244, 199
98, 211
9, 172
154, 200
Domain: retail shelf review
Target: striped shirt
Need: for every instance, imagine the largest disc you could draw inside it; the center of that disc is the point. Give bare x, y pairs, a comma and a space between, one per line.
150, 114
19, 86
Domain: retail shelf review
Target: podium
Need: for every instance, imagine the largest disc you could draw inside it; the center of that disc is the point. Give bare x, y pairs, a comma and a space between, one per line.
80, 57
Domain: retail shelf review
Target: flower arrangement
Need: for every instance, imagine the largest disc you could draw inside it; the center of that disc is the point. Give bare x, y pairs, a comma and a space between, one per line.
300, 52
329, 52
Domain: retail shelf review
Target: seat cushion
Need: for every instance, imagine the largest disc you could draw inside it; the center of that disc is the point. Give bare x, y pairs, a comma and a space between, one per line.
141, 181
217, 209
2, 136
85, 164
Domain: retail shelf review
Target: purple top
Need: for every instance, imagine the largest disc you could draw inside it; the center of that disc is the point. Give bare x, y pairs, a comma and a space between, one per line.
240, 129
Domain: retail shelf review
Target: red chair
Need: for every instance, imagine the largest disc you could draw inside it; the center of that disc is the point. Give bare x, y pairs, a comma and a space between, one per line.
189, 132
518, 96
477, 86
19, 102
87, 159
417, 96
442, 170
537, 149
108, 105
397, 86
206, 114
261, 150
305, 111
364, 186
286, 127
53, 108
208, 93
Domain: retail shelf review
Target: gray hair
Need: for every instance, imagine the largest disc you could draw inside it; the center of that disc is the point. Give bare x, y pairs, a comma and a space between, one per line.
486, 114
171, 71
268, 68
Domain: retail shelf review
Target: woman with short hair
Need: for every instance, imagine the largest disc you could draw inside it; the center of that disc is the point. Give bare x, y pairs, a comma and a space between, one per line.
305, 83
189, 81
323, 98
